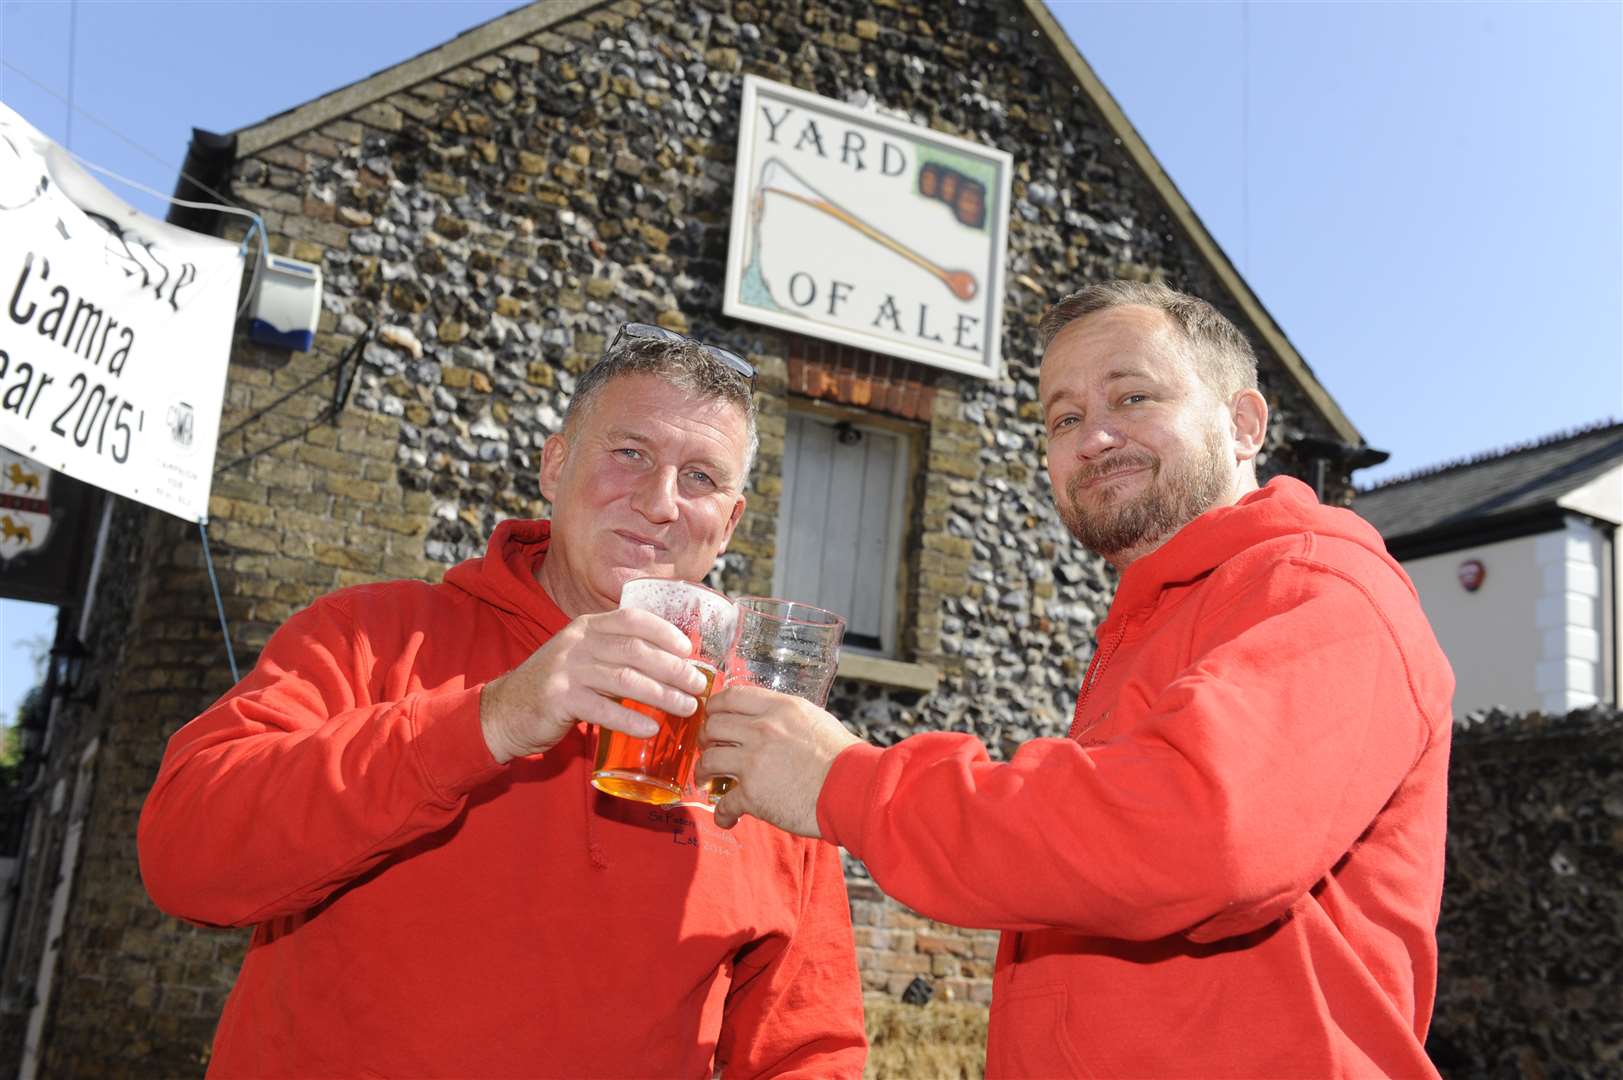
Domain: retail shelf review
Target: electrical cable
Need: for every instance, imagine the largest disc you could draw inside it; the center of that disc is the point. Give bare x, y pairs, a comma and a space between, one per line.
73, 55
306, 384
223, 208
224, 199
1245, 136
256, 227
341, 387
263, 450
227, 205
219, 605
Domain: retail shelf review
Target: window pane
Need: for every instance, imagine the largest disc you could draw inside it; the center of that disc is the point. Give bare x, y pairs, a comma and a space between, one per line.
870, 580
809, 452
840, 526
842, 522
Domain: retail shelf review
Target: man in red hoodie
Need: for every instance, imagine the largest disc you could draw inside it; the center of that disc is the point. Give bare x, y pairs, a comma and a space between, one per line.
1232, 865
396, 798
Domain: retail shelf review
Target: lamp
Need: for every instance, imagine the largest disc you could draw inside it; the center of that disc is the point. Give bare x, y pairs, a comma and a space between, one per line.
68, 659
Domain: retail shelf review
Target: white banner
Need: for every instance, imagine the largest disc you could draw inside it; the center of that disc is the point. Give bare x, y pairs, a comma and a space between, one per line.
116, 332
862, 229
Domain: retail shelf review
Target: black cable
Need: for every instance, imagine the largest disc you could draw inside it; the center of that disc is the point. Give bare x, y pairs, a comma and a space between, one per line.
225, 199
305, 385
341, 389
244, 459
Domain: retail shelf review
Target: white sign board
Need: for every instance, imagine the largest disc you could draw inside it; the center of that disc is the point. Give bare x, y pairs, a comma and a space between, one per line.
116, 331
866, 230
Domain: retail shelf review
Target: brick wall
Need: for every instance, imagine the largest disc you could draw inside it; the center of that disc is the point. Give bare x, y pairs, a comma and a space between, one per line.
896, 946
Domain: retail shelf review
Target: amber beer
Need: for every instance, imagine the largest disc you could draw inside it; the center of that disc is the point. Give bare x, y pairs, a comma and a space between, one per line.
652, 770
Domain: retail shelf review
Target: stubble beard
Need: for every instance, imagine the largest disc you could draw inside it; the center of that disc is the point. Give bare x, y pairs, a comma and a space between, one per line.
1171, 500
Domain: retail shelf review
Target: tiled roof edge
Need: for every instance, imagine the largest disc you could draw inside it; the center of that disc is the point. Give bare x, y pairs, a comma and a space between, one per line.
1428, 471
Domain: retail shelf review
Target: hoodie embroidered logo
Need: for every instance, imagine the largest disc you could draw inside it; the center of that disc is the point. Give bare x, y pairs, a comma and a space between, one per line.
687, 831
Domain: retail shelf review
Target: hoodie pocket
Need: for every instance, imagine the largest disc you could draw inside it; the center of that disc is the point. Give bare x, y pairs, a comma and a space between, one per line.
1030, 1036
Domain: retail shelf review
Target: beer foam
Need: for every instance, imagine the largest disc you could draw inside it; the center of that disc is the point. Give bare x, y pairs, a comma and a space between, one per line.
706, 616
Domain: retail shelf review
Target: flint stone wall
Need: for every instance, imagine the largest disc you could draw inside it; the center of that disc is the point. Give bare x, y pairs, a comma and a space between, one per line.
493, 224
499, 222
1531, 936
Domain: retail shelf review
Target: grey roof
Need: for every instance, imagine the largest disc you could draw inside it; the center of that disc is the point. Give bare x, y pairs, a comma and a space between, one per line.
1508, 483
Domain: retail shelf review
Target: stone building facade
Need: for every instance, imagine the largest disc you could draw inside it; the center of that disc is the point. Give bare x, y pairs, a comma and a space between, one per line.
486, 215
1530, 941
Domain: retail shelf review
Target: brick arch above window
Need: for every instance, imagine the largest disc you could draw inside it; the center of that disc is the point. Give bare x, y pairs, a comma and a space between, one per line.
826, 371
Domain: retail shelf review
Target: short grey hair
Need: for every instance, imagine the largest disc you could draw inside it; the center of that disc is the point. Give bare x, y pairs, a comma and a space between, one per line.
685, 365
1223, 356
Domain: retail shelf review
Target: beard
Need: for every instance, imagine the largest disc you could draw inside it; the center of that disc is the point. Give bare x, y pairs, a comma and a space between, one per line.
1173, 498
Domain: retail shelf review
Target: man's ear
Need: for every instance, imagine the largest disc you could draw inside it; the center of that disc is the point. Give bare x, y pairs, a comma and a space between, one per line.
1248, 417
732, 523
553, 454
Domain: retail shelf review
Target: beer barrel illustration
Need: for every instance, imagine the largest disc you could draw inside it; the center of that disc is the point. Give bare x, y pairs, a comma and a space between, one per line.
965, 195
776, 178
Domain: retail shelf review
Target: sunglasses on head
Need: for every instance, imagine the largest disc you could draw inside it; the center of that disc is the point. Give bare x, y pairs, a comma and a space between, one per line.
725, 356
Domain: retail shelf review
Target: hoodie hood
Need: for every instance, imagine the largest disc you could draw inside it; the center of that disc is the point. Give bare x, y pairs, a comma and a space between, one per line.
504, 577
1284, 507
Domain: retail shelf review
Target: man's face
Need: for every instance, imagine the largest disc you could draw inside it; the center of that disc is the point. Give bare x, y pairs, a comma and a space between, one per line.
1138, 444
648, 484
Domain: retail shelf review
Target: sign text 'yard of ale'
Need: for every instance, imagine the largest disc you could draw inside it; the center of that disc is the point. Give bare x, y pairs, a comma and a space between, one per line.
855, 227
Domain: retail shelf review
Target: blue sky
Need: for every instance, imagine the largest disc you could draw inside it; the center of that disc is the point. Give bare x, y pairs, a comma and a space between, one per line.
1426, 196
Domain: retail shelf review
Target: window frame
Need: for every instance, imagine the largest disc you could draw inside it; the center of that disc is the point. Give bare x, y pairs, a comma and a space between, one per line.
894, 626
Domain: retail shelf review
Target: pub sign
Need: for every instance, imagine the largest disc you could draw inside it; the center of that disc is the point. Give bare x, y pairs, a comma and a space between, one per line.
859, 228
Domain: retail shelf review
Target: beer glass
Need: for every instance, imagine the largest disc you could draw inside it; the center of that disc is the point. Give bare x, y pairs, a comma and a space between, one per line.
654, 770
782, 645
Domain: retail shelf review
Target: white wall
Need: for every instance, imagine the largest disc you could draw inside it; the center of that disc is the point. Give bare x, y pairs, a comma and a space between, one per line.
1602, 498
1532, 636
1569, 614
1614, 624
1489, 636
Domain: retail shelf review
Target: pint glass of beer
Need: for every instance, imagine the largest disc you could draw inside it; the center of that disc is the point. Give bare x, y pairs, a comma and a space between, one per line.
785, 646
655, 770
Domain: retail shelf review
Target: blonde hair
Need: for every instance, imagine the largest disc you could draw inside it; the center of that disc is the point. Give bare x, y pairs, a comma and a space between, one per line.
1222, 354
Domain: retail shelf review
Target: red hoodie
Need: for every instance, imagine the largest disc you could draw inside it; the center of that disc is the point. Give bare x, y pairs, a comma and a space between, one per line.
1233, 865
421, 911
